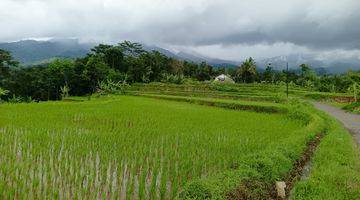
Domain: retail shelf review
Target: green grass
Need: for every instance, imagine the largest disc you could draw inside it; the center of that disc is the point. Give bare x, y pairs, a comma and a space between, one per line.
250, 92
255, 176
353, 107
348, 107
226, 103
133, 146
335, 172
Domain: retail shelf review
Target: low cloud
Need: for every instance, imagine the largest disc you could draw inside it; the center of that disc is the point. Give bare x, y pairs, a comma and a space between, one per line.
201, 25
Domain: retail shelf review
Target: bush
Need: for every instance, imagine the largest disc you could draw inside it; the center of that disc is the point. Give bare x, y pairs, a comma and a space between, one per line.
170, 78
110, 87
354, 107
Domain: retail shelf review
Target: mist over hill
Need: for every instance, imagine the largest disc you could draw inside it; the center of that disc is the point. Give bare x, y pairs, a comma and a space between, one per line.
30, 52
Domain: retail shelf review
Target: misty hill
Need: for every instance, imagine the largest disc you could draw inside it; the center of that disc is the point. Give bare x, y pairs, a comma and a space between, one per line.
193, 57
335, 66
30, 52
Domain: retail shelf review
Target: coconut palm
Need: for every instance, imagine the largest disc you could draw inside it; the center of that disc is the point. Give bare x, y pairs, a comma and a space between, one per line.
247, 71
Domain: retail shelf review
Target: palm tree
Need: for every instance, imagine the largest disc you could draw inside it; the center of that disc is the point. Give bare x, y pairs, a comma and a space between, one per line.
247, 71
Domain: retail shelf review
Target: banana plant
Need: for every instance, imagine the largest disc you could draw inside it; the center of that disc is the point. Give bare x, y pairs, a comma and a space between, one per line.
354, 89
3, 92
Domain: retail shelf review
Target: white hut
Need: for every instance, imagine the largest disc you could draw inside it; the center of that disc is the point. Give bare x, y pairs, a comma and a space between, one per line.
223, 79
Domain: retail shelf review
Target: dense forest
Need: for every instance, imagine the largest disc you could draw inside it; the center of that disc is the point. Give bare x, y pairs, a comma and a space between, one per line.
128, 63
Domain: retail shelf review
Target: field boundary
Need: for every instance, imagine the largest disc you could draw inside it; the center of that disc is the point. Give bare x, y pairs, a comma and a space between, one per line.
298, 168
226, 105
290, 179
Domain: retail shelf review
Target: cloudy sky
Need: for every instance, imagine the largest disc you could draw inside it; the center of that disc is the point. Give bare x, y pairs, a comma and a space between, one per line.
228, 29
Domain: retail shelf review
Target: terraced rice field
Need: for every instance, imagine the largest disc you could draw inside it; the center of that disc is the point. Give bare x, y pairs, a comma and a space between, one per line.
208, 144
129, 147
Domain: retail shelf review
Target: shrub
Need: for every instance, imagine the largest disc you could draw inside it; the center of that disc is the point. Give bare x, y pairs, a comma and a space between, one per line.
110, 87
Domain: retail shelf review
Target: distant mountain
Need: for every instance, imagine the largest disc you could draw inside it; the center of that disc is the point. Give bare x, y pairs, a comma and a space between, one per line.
335, 66
193, 57
31, 51
294, 60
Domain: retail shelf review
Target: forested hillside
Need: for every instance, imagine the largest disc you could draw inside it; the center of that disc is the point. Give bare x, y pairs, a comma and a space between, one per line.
128, 63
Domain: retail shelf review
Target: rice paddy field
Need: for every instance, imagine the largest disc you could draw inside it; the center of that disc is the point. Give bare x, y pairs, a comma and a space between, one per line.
172, 142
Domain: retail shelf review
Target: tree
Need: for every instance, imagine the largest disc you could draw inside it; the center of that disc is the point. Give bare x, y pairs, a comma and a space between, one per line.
176, 66
269, 74
247, 71
100, 49
156, 63
205, 72
354, 88
190, 69
132, 49
304, 69
6, 61
92, 70
220, 70
308, 77
113, 56
138, 71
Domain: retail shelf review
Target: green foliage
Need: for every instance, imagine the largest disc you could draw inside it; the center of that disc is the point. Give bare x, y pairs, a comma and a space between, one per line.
253, 177
3, 92
64, 91
129, 61
6, 62
6, 59
15, 99
247, 71
175, 79
111, 87
353, 107
335, 168
355, 90
297, 111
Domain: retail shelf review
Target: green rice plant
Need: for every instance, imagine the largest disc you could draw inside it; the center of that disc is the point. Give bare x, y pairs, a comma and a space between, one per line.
126, 147
135, 147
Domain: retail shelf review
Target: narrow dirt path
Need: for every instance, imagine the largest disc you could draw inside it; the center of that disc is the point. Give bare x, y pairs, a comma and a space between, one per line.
350, 121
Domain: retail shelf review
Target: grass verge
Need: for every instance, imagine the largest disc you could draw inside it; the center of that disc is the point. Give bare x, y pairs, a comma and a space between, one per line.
254, 177
354, 107
335, 170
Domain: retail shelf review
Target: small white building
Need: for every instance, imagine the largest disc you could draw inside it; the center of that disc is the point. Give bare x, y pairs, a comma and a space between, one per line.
223, 79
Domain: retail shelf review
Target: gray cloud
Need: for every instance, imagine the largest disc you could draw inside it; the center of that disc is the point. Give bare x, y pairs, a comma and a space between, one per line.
306, 25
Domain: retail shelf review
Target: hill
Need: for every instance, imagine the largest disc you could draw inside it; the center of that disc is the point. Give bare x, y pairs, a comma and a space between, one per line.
31, 52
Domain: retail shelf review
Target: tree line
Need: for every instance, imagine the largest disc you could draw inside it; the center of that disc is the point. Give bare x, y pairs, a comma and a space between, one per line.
129, 62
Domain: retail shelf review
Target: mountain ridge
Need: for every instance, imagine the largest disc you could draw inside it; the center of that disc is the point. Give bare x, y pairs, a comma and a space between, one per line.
30, 52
